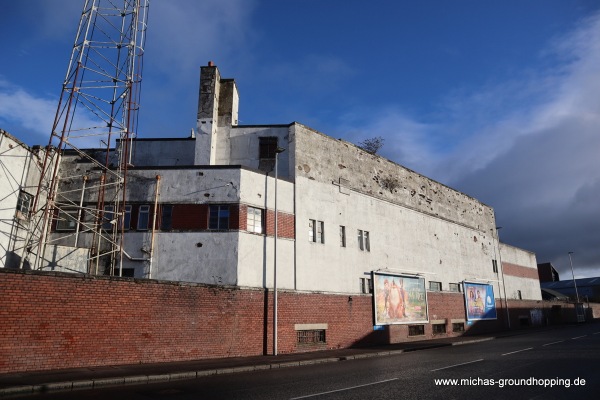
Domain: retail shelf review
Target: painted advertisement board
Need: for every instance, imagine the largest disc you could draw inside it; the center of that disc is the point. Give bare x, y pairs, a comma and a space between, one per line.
399, 299
479, 301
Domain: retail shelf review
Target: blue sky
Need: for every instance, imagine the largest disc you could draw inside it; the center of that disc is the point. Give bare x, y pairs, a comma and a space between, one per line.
498, 99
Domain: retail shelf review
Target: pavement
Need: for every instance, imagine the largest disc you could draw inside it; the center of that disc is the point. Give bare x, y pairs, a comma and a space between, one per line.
28, 383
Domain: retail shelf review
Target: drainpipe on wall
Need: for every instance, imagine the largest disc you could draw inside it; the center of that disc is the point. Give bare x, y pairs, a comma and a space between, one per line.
502, 271
277, 151
156, 196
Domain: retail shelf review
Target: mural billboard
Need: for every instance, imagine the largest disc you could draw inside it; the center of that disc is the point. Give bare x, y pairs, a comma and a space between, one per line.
479, 301
399, 299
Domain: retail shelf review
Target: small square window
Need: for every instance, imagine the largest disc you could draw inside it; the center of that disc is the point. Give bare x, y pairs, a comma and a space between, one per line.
435, 286
438, 329
313, 336
218, 217
458, 327
254, 220
366, 285
67, 220
454, 287
24, 203
416, 330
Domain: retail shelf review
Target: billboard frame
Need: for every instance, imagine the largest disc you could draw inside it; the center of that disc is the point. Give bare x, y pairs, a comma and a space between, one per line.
470, 292
416, 288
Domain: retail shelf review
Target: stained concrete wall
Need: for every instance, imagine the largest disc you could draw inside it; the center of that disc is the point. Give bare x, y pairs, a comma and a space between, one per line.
415, 223
19, 171
240, 146
520, 273
232, 258
401, 240
163, 152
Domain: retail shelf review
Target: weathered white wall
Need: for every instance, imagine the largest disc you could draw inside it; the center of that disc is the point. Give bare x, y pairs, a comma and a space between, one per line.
65, 259
239, 146
327, 160
529, 286
179, 257
402, 240
19, 170
255, 261
415, 223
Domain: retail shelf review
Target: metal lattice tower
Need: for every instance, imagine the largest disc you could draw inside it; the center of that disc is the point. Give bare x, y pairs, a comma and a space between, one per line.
98, 108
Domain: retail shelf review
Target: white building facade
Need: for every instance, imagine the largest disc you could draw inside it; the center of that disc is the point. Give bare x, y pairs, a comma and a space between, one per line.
202, 209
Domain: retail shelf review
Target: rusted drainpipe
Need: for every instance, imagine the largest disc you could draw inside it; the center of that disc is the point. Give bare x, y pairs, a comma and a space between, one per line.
156, 196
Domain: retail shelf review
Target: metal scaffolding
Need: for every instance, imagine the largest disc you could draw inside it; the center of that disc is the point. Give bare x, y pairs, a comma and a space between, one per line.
98, 110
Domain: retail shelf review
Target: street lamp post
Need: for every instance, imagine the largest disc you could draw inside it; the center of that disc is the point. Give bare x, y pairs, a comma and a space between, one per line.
278, 150
502, 274
573, 273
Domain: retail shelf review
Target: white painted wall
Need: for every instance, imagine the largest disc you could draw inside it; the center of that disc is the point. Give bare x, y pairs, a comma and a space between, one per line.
530, 288
19, 170
239, 146
402, 240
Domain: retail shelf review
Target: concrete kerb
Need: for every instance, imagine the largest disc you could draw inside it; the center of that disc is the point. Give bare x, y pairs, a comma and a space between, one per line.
146, 379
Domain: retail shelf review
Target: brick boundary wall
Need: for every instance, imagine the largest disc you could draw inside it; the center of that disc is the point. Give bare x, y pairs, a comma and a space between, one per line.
55, 320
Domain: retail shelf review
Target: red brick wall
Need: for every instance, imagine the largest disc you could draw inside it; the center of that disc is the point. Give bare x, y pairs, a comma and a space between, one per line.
520, 271
54, 320
285, 224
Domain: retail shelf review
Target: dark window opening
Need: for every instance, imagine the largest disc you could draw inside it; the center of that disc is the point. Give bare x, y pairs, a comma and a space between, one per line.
458, 327
267, 148
312, 336
143, 218
438, 329
108, 218
166, 222
127, 221
24, 203
218, 217
416, 330
67, 220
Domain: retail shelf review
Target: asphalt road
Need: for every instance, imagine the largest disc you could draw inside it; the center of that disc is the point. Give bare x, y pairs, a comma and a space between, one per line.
555, 364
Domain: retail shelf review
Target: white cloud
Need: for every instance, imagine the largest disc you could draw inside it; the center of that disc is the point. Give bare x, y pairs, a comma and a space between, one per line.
34, 113
185, 34
528, 147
